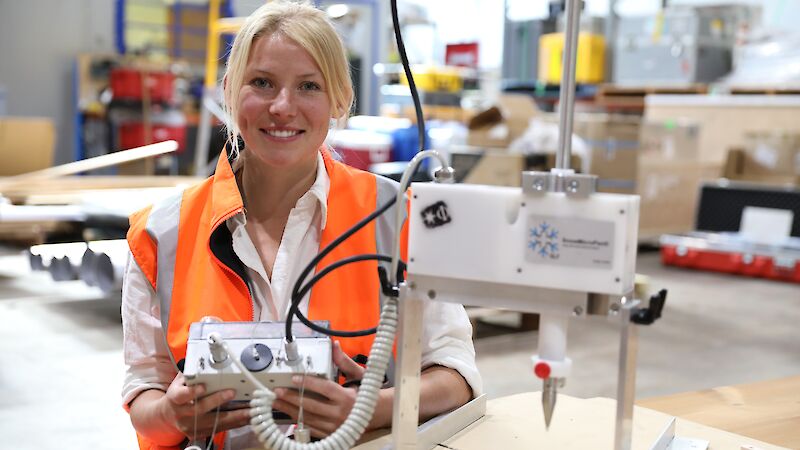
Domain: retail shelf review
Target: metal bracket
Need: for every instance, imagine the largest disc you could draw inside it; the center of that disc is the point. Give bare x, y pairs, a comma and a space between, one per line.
573, 184
668, 441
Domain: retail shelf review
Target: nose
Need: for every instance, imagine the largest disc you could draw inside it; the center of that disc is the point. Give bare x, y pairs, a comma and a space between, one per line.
282, 104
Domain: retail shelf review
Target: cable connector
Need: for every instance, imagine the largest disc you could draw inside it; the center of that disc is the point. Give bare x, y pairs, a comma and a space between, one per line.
646, 316
292, 352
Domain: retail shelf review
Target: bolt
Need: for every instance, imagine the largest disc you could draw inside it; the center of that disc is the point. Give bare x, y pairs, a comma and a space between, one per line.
538, 184
577, 311
573, 186
616, 280
622, 211
614, 308
519, 269
431, 294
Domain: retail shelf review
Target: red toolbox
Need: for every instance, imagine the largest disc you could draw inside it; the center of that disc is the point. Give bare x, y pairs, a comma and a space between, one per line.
731, 253
126, 84
131, 135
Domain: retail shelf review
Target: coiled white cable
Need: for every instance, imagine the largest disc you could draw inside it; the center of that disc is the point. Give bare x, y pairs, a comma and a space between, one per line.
356, 422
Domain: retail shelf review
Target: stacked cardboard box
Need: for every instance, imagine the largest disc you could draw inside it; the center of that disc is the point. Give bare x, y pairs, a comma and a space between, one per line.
26, 144
669, 177
767, 157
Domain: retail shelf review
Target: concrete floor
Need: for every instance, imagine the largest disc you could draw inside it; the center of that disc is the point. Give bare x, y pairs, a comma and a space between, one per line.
61, 364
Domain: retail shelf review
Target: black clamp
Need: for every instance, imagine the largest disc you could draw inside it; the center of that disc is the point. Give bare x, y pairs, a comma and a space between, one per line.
646, 316
387, 287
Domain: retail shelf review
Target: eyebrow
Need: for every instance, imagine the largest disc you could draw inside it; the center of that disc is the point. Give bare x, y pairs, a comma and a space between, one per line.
303, 75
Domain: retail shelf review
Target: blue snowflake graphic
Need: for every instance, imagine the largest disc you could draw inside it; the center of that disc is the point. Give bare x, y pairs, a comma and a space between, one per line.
543, 240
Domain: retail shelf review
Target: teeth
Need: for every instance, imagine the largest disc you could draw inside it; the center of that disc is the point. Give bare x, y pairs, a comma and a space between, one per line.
282, 133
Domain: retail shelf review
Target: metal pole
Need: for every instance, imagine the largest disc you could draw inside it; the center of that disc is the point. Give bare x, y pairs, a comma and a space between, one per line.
405, 411
566, 99
626, 379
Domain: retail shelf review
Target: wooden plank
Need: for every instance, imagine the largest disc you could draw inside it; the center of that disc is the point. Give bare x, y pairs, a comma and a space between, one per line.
98, 162
517, 422
765, 90
23, 193
767, 410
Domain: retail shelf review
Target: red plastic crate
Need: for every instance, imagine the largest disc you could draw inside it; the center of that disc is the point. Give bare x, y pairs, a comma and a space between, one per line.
126, 84
132, 135
761, 266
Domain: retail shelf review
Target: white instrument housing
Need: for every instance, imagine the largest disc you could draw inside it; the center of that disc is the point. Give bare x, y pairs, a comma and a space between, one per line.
314, 348
483, 243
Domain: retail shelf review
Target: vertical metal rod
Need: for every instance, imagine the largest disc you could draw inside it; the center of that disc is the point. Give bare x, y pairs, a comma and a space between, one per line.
626, 380
203, 136
566, 98
405, 413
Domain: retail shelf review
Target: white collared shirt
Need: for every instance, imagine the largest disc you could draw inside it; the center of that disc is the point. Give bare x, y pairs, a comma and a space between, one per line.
447, 332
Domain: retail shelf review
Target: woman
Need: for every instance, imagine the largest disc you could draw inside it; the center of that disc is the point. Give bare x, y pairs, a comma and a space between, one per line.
232, 246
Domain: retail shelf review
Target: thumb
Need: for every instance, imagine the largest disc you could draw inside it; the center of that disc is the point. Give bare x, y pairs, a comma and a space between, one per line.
348, 367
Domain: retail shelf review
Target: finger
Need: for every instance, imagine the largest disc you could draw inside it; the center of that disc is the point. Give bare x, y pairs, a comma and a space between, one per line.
322, 386
233, 419
350, 369
214, 422
324, 407
181, 394
214, 400
322, 424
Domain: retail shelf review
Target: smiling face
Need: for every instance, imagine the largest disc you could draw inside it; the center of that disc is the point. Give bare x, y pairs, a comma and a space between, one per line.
284, 108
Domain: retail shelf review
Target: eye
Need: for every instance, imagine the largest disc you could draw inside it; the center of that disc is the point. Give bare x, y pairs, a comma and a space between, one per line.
309, 86
260, 83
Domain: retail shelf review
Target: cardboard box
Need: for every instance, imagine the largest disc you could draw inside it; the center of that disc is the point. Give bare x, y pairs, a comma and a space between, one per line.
614, 143
496, 167
772, 153
740, 166
670, 191
669, 140
493, 167
26, 144
725, 120
497, 126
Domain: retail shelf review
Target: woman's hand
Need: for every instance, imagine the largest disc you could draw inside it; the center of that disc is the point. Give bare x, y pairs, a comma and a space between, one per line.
324, 412
179, 406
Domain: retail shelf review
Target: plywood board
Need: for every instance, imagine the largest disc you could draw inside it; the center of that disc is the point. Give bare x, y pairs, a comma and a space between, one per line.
516, 422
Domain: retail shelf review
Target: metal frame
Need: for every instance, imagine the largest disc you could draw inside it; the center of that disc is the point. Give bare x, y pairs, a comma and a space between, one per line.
407, 371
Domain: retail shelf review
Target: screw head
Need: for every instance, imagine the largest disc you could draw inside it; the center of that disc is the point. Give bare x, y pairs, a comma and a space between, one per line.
538, 184
431, 294
573, 186
578, 310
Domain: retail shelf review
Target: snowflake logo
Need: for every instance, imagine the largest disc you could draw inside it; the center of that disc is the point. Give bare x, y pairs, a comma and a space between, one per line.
543, 240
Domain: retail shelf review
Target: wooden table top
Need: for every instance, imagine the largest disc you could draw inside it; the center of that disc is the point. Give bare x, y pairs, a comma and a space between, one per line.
768, 411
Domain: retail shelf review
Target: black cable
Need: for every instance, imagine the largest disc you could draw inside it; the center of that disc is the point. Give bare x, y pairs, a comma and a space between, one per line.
324, 252
295, 297
319, 276
401, 49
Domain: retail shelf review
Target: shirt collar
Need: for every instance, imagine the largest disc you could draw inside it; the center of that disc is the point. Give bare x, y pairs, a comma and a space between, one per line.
319, 190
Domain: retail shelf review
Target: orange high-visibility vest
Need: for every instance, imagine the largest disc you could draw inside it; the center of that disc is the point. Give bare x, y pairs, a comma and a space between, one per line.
184, 249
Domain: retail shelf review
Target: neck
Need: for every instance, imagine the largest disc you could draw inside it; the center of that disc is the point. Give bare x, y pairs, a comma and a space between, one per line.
269, 192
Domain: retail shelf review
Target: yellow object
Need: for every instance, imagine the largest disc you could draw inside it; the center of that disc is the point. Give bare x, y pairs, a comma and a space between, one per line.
435, 79
591, 58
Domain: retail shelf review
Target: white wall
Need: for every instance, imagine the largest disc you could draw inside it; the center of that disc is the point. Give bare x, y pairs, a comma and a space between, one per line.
38, 42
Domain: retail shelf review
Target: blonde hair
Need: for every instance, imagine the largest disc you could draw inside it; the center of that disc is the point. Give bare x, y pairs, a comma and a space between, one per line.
308, 27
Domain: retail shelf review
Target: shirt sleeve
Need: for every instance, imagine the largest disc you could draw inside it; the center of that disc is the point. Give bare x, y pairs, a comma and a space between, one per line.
144, 346
447, 341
